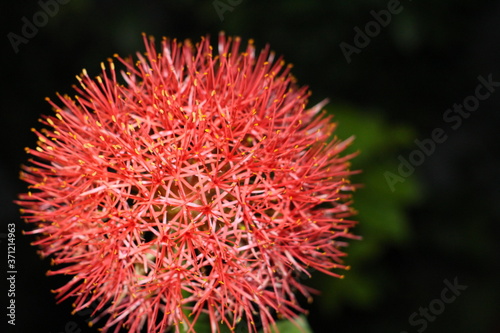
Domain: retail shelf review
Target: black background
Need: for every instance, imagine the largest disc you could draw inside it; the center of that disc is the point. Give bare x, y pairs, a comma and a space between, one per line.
424, 61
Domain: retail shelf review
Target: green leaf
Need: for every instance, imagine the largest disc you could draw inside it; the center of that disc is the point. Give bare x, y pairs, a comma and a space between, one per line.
300, 325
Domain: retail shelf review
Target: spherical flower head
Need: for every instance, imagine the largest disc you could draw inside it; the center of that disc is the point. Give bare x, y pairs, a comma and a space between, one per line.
196, 185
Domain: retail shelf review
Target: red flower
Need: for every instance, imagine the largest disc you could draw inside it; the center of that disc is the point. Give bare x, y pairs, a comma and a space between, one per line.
202, 185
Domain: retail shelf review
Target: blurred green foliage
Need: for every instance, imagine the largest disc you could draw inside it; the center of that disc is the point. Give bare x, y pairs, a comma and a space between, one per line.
382, 217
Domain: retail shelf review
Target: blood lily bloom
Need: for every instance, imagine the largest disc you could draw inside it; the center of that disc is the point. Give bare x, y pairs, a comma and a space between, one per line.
199, 186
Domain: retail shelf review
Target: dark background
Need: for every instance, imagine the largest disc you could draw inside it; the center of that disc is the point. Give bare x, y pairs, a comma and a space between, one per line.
441, 223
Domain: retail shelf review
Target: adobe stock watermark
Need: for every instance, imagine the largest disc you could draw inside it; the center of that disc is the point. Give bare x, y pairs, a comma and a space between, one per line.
30, 28
425, 315
372, 29
11, 274
221, 6
454, 117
